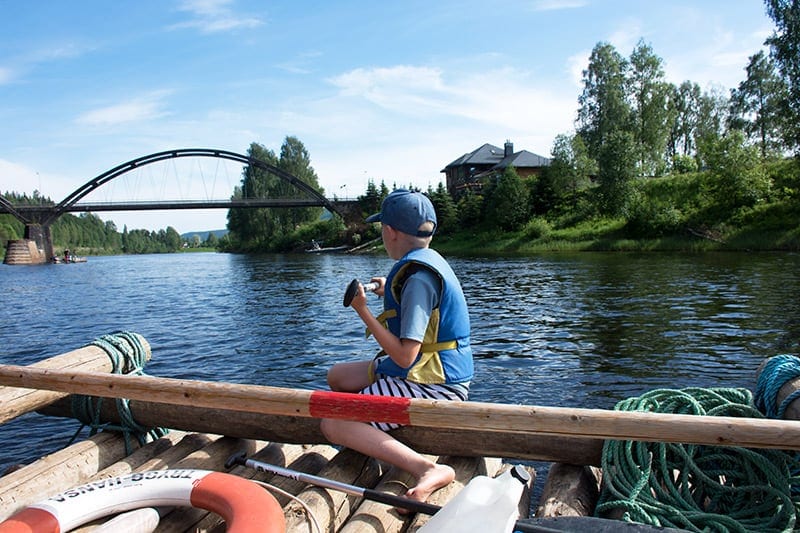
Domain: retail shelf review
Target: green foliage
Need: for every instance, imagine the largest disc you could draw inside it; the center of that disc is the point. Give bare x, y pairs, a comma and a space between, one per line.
262, 229
737, 178
617, 168
649, 93
785, 47
371, 200
603, 105
683, 164
785, 178
507, 203
537, 228
682, 107
470, 209
757, 103
446, 211
141, 241
325, 232
10, 229
569, 172
650, 216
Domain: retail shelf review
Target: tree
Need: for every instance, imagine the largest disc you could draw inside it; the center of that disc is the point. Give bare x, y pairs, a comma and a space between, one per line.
737, 179
507, 205
756, 104
785, 49
296, 161
649, 94
370, 201
470, 209
617, 169
251, 228
712, 115
683, 107
446, 211
603, 106
264, 228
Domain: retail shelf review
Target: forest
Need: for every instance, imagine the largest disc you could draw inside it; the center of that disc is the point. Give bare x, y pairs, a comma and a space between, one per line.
650, 165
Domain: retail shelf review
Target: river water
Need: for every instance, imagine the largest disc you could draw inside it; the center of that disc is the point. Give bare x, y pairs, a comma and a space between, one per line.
572, 330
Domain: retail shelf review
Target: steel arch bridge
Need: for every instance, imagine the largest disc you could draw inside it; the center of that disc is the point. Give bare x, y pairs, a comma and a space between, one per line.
37, 219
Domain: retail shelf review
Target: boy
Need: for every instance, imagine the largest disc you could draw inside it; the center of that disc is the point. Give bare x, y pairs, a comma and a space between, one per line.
424, 335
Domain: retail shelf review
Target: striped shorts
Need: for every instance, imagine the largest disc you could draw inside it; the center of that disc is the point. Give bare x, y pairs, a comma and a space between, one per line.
398, 387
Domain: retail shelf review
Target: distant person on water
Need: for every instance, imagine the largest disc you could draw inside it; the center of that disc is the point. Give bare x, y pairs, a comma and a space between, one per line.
424, 334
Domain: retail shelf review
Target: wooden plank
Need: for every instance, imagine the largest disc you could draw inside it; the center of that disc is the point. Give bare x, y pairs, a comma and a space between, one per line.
331, 507
471, 442
18, 401
557, 421
373, 517
59, 471
570, 490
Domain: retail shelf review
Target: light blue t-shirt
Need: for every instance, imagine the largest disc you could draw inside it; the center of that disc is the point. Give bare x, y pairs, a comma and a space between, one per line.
420, 296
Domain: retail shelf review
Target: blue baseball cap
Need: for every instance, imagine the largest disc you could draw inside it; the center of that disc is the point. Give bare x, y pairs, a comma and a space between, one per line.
406, 211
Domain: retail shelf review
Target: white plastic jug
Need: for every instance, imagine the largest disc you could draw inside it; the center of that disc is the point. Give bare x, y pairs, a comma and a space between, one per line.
485, 505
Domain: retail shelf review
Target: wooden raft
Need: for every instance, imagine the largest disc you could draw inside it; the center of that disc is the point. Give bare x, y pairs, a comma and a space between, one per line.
101, 457
104, 456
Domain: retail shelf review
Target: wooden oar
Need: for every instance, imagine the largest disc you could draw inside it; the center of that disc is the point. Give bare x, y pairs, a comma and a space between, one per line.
558, 421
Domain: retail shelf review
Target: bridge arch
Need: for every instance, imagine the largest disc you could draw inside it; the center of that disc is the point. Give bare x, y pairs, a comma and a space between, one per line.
117, 171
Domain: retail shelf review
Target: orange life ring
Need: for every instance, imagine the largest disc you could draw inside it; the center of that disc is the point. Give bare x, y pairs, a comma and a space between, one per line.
245, 506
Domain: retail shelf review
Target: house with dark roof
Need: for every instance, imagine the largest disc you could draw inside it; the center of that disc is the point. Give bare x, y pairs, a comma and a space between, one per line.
468, 171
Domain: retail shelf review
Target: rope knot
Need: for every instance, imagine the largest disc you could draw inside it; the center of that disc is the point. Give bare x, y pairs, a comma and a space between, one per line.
128, 356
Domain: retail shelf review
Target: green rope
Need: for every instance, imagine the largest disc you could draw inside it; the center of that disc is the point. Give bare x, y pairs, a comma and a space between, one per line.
128, 356
693, 487
776, 372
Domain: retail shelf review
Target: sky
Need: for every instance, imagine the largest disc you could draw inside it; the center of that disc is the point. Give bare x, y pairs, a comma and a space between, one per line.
387, 91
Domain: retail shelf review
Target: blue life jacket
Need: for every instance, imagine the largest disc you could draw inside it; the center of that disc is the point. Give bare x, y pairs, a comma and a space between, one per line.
445, 355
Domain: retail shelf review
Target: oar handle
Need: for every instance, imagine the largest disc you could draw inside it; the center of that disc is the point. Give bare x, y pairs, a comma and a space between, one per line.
352, 290
370, 494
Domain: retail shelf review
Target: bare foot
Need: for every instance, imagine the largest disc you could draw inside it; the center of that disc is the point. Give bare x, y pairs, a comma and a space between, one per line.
433, 479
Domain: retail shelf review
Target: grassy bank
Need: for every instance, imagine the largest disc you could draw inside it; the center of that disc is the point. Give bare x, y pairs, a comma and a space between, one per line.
775, 229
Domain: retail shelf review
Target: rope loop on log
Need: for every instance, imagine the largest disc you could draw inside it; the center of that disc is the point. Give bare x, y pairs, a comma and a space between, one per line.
776, 373
699, 488
128, 356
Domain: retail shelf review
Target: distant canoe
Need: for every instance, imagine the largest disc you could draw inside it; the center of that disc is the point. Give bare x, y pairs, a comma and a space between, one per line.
329, 250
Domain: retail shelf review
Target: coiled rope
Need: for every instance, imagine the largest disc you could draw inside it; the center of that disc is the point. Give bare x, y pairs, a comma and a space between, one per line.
128, 356
693, 487
776, 373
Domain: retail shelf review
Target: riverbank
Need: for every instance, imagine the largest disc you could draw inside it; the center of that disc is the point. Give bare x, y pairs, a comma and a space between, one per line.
610, 235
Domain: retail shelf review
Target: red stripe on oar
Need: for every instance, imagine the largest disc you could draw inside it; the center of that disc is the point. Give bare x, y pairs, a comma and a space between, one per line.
359, 407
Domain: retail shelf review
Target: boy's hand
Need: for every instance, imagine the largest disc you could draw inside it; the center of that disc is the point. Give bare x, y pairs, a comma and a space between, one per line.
381, 284
360, 299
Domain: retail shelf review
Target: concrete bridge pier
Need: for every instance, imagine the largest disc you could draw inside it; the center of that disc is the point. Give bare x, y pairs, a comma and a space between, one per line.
35, 248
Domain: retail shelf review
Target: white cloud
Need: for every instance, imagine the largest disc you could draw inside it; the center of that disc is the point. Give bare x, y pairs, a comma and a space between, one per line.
22, 179
136, 110
212, 16
17, 177
502, 97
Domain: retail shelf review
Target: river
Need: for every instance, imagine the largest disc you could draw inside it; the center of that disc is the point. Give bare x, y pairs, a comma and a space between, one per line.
572, 330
